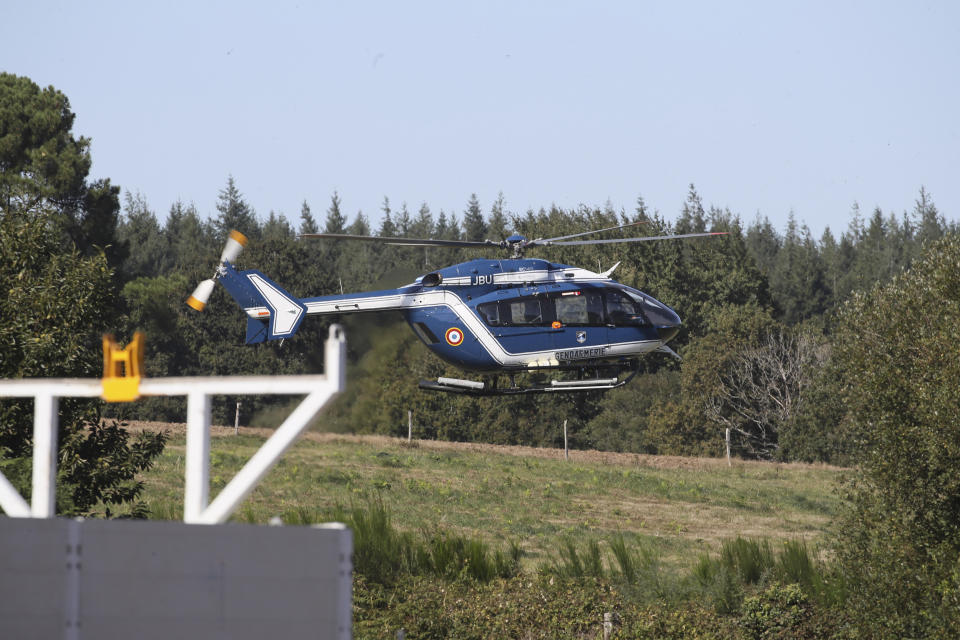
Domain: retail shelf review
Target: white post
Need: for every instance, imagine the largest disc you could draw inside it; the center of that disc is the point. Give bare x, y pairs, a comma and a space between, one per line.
262, 461
409, 425
335, 358
566, 451
197, 481
729, 464
45, 422
236, 420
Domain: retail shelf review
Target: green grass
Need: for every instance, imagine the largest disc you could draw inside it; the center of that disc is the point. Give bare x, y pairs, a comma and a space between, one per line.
539, 504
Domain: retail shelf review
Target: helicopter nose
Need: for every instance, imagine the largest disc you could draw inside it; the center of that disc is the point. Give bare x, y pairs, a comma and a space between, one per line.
666, 334
664, 319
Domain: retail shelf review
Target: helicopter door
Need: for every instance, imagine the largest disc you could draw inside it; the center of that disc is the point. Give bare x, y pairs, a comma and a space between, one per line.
582, 323
520, 325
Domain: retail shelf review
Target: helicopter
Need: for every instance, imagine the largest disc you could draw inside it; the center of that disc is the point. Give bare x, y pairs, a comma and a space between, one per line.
512, 316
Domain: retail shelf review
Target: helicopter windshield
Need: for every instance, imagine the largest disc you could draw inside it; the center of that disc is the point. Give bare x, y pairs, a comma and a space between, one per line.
622, 310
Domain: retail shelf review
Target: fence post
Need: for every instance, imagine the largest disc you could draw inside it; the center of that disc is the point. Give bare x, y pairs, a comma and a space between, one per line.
566, 450
409, 425
729, 464
236, 420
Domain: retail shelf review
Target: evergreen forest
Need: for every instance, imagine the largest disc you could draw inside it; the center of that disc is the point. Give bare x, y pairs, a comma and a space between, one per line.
758, 305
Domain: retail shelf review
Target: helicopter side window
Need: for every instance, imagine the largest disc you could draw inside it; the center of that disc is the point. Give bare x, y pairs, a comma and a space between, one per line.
526, 312
623, 311
490, 312
579, 308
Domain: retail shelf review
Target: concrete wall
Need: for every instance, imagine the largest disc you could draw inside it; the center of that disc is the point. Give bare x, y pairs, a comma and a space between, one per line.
140, 579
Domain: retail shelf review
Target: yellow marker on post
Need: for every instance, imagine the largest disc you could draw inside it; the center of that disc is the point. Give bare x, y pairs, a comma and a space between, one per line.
122, 369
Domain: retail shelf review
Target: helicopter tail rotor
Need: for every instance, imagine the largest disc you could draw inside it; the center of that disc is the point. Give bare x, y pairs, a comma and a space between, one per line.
236, 241
198, 299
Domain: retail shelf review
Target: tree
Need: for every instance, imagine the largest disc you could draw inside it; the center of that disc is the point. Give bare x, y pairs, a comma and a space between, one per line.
682, 425
190, 241
387, 228
336, 221
234, 213
498, 221
900, 538
40, 159
140, 230
58, 251
55, 305
764, 387
307, 223
473, 224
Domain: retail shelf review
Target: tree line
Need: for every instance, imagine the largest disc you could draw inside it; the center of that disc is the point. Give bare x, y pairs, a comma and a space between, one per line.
758, 305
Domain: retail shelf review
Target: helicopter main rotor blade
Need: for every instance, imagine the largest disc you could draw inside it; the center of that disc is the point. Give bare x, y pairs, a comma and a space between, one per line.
645, 239
586, 233
413, 242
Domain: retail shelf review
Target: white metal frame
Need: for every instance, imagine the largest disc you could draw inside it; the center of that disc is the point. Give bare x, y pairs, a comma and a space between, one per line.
197, 509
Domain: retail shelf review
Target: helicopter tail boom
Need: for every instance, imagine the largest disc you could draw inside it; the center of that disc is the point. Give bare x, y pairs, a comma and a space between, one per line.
272, 313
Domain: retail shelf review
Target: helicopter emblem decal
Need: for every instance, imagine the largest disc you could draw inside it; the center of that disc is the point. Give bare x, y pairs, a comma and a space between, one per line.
581, 336
454, 337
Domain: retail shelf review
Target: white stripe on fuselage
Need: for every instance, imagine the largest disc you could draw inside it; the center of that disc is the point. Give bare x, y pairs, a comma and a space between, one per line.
573, 275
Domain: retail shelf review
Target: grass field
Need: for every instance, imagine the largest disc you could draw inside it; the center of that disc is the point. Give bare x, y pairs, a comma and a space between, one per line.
678, 506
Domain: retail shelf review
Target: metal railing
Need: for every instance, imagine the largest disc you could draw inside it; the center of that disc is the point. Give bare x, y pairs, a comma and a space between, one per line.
197, 509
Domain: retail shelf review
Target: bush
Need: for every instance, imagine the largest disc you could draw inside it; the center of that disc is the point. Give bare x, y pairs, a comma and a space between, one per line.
899, 539
382, 554
778, 612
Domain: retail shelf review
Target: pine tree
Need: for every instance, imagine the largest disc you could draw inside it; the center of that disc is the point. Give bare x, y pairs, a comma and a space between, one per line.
764, 244
422, 227
473, 223
387, 228
403, 221
692, 217
498, 221
307, 222
931, 225
336, 221
360, 225
235, 213
139, 229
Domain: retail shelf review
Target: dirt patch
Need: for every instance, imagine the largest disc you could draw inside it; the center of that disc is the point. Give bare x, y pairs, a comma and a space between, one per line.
585, 456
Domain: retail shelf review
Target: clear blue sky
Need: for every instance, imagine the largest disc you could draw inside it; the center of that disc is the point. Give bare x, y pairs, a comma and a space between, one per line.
767, 107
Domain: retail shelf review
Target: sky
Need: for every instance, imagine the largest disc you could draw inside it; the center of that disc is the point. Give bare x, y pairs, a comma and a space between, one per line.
767, 107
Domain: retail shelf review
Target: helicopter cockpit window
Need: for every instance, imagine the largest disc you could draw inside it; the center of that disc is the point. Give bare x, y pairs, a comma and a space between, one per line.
579, 308
623, 310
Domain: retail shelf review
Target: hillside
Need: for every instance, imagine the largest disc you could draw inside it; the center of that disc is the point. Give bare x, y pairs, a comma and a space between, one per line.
532, 496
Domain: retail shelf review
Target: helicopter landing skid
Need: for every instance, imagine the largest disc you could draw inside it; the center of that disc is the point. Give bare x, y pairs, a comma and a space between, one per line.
480, 388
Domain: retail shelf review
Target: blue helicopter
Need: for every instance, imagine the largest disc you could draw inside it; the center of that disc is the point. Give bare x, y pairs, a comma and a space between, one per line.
508, 316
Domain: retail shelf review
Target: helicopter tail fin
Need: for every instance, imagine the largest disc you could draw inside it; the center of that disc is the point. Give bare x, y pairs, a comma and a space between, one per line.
272, 313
